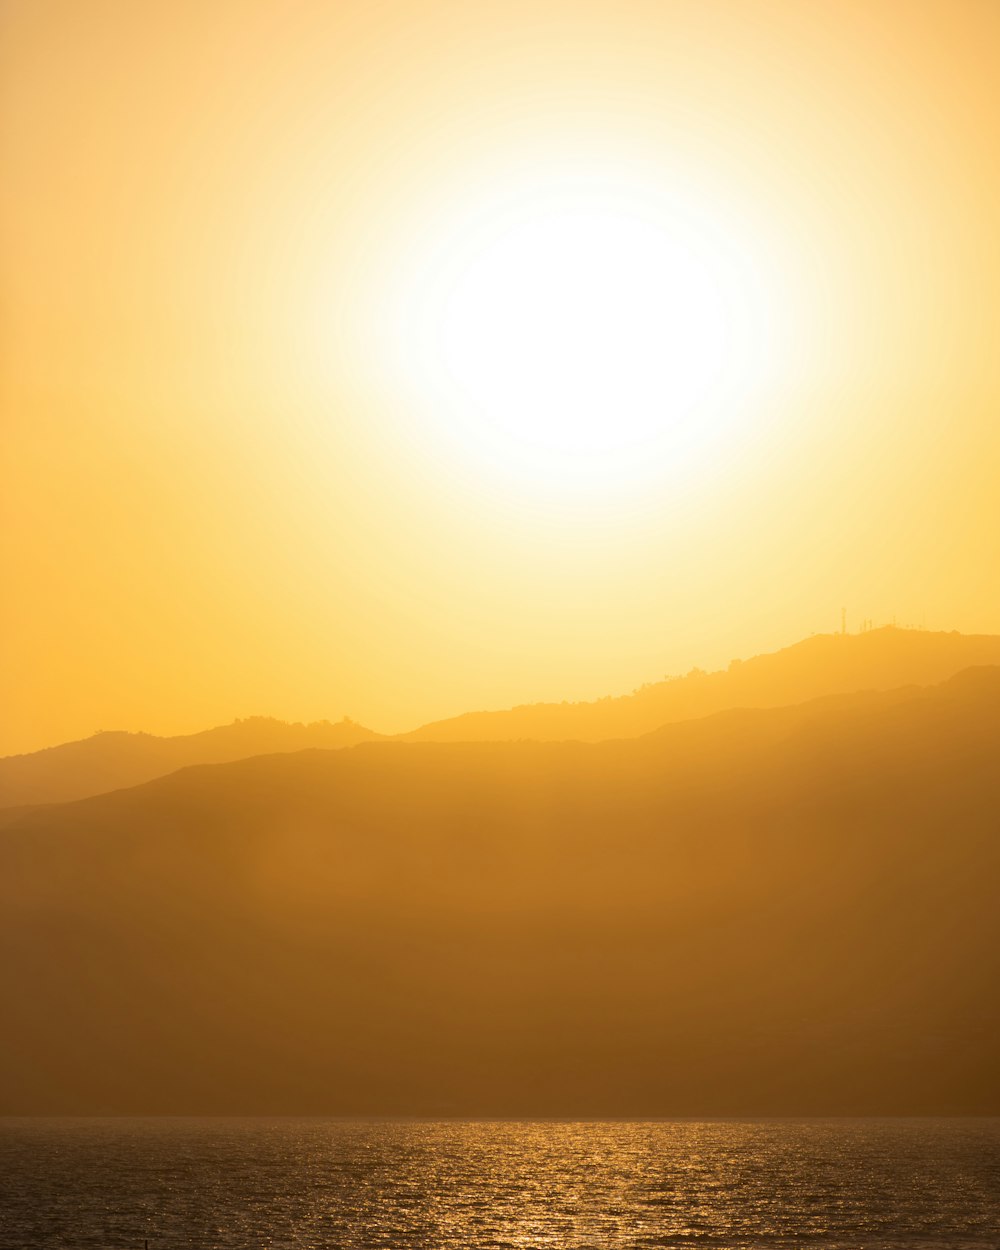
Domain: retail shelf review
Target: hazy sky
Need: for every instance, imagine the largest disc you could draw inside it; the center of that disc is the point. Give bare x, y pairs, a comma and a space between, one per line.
292, 291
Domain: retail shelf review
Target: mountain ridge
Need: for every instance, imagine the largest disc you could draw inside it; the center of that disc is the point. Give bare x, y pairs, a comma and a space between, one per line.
767, 912
112, 759
882, 658
766, 726
822, 665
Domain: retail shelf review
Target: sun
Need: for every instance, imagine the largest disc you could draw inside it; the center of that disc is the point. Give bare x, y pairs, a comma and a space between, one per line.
581, 327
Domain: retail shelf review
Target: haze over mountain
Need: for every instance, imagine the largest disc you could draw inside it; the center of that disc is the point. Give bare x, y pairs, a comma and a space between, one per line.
111, 760
881, 659
878, 659
767, 911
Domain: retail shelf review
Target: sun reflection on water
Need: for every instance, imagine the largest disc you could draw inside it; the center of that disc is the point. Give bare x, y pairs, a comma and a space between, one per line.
339, 1185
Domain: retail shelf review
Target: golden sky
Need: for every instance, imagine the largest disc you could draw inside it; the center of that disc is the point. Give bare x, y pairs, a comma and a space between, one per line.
327, 374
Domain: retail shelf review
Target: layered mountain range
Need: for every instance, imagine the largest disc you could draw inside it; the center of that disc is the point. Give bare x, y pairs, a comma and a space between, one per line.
766, 910
826, 664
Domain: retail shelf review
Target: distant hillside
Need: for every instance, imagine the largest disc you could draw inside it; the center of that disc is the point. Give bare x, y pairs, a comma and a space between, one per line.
881, 659
110, 761
764, 912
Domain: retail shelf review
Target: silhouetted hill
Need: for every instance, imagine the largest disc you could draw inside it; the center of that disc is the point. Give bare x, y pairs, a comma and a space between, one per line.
883, 659
110, 761
880, 659
763, 912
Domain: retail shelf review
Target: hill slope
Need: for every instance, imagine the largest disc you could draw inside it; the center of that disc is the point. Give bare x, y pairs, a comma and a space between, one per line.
884, 659
764, 912
881, 659
111, 761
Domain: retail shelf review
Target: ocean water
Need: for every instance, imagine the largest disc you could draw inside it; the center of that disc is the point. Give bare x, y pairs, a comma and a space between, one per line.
464, 1185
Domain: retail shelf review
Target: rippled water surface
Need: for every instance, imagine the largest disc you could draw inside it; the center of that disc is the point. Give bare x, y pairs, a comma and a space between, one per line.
466, 1185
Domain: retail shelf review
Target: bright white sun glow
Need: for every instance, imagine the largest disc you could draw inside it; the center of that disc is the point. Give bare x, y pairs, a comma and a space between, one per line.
571, 329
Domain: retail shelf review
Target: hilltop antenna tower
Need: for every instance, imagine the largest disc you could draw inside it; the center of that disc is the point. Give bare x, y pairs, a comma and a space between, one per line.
843, 621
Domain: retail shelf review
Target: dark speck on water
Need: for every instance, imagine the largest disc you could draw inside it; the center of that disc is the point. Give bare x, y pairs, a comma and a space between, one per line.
473, 1185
